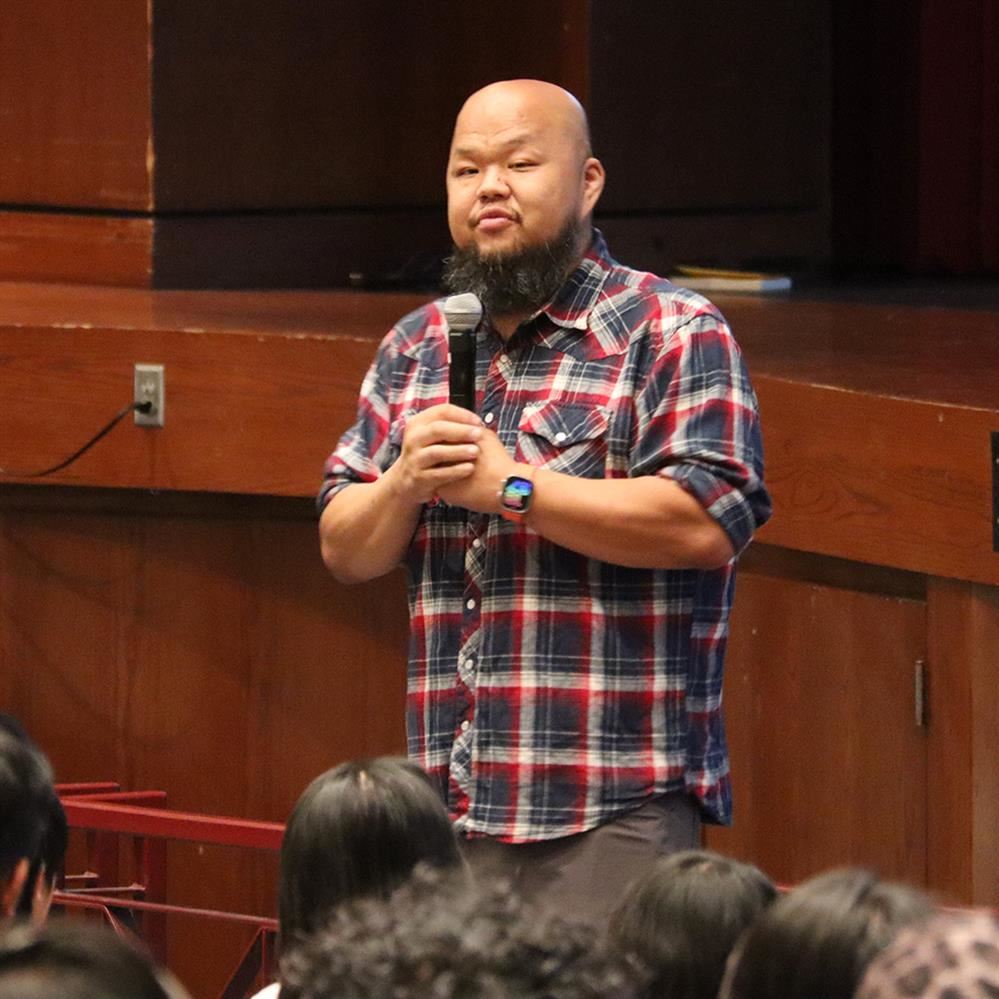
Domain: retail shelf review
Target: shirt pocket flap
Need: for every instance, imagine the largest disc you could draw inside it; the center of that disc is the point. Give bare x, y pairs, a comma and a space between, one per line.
564, 424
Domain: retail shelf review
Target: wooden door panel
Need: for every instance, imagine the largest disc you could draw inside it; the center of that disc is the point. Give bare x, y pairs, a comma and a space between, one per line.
829, 766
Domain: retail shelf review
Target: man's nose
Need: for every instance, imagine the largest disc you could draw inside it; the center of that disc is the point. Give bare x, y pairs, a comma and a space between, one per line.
493, 183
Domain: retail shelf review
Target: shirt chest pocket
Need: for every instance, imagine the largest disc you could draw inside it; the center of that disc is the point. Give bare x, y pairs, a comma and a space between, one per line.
565, 437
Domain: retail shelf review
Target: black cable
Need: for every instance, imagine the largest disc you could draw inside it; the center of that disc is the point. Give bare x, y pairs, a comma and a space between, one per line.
138, 407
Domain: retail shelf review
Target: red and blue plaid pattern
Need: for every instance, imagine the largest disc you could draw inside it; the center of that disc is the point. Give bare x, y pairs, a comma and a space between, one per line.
549, 692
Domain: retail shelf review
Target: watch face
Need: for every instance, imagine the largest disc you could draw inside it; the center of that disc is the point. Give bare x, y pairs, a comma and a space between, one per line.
517, 493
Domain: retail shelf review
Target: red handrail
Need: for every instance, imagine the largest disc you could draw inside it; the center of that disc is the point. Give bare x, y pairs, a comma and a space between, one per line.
218, 830
103, 810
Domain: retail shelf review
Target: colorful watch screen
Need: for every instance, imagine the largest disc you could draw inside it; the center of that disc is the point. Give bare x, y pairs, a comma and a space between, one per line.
517, 493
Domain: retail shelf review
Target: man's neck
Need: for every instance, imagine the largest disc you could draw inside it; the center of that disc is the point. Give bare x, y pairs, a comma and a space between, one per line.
506, 326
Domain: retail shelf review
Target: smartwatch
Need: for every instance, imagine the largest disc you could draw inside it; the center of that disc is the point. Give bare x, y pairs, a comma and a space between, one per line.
515, 497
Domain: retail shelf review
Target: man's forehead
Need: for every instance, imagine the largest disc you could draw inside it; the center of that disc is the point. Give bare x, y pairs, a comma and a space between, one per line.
472, 141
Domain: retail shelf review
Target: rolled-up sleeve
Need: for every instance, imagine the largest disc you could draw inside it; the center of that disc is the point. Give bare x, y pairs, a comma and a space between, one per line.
699, 426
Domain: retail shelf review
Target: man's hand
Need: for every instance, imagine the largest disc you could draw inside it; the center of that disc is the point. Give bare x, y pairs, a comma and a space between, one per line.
479, 489
439, 447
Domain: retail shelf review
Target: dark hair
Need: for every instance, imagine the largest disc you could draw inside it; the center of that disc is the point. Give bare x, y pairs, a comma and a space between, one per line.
441, 936
74, 960
25, 800
358, 829
682, 920
817, 941
55, 840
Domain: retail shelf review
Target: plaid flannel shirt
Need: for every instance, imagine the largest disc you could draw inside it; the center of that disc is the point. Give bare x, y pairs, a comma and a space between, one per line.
549, 692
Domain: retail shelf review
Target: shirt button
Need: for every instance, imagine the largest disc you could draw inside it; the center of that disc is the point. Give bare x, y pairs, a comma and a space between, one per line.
489, 417
470, 605
464, 726
476, 542
560, 436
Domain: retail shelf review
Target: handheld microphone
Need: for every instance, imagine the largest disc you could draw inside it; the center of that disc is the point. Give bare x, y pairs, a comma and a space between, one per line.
462, 313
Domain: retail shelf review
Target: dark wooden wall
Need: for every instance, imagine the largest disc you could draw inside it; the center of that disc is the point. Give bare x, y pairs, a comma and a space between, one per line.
253, 144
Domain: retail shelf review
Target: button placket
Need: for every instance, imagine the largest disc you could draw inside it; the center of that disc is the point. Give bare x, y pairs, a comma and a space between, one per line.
465, 674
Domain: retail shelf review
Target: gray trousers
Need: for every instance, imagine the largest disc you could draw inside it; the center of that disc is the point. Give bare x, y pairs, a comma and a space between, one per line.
585, 875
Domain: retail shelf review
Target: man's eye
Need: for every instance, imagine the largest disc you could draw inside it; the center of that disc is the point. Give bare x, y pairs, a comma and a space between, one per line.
522, 165
465, 171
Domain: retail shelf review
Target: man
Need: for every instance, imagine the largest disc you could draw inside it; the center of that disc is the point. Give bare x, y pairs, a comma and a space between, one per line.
570, 546
33, 832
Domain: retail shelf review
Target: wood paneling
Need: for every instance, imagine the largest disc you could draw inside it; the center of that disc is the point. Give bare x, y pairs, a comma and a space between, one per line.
724, 107
829, 766
53, 246
75, 118
315, 249
964, 741
334, 104
713, 125
203, 653
887, 481
243, 413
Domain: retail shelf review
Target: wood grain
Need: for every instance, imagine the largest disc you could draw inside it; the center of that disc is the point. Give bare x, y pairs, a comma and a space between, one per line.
75, 127
887, 481
963, 772
829, 767
207, 655
90, 249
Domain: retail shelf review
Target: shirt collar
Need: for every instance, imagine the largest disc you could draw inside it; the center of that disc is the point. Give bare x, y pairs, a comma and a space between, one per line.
571, 306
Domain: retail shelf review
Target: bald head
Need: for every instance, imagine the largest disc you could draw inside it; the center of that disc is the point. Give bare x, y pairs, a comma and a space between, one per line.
532, 102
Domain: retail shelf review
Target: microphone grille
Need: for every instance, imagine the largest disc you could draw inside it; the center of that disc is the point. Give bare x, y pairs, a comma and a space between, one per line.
462, 312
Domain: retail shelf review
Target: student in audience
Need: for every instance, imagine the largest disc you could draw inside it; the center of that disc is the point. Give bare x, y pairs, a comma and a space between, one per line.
442, 937
358, 830
954, 956
77, 960
32, 827
683, 919
816, 942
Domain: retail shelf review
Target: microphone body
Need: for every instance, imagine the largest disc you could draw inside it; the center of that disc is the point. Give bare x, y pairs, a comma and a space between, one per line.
462, 313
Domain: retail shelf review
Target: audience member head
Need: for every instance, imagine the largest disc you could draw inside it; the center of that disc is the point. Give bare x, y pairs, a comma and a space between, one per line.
683, 919
359, 829
441, 936
29, 832
76, 960
817, 941
953, 956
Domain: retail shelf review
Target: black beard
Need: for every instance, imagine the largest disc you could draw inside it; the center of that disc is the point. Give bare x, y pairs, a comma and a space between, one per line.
515, 283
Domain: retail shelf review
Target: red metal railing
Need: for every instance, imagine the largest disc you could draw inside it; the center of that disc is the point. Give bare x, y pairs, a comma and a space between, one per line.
106, 815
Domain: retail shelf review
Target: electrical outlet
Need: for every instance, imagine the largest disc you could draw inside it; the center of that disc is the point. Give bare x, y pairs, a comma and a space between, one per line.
149, 388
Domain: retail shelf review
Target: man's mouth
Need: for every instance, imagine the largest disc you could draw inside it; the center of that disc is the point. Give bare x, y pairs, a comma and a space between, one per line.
495, 220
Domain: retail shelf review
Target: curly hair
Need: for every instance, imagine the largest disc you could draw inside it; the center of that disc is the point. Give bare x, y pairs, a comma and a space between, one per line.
439, 937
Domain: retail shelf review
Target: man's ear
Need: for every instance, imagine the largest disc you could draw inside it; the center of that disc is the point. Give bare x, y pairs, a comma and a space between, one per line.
11, 891
593, 184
